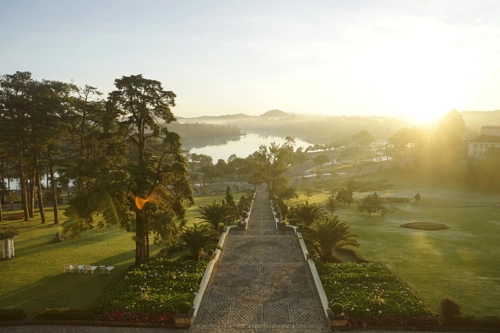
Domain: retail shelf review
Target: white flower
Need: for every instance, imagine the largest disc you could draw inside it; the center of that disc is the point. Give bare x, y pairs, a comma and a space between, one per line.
367, 309
379, 311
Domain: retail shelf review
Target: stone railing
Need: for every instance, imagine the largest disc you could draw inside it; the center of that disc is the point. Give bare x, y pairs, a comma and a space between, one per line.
314, 273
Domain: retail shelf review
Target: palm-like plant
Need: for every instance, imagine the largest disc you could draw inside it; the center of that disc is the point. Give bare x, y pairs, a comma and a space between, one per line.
305, 214
216, 213
329, 234
199, 238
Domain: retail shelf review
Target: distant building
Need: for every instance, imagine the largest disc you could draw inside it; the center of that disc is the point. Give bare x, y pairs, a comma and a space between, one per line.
489, 138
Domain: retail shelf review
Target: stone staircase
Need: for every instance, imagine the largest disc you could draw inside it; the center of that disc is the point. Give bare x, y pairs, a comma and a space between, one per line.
261, 282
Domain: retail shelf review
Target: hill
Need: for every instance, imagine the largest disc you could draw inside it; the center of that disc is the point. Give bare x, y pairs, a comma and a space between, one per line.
275, 114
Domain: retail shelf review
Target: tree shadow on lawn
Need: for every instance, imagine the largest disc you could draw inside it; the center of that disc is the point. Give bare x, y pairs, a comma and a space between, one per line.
44, 243
68, 290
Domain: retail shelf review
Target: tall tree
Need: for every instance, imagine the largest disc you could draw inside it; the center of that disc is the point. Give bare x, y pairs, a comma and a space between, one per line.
370, 204
14, 128
271, 165
364, 139
331, 204
345, 196
145, 189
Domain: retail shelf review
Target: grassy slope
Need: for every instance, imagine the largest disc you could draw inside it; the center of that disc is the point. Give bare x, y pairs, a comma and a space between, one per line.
460, 262
34, 278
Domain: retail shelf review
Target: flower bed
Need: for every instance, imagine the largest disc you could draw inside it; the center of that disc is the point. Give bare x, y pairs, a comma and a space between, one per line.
152, 292
373, 296
19, 216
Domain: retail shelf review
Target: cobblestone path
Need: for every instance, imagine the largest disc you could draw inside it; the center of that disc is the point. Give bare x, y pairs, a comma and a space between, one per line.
261, 282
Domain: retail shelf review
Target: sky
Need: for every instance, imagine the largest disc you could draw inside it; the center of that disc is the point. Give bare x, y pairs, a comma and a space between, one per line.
331, 57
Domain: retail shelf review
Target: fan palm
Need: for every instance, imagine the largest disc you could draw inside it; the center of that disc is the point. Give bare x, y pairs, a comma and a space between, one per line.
199, 238
329, 234
305, 214
216, 213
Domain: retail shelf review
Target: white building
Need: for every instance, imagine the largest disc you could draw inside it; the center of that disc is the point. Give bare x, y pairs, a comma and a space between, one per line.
489, 138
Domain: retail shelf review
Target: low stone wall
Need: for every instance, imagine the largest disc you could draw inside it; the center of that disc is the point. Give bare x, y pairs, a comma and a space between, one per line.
314, 273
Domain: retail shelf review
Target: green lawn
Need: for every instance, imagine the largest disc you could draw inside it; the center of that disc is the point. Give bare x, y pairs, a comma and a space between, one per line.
461, 262
34, 278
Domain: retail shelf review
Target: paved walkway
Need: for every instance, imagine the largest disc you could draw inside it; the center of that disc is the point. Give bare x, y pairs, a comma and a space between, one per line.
261, 282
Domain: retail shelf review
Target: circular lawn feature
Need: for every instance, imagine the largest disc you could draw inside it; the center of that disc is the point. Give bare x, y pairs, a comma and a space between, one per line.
425, 226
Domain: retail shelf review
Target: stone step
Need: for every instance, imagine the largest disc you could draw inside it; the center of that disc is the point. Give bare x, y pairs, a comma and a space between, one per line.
261, 328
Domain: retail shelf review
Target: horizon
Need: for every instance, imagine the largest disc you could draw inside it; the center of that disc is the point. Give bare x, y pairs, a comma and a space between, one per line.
364, 58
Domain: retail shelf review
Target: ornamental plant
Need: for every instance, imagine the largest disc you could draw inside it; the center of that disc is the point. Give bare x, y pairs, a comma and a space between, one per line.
152, 292
9, 233
359, 288
337, 308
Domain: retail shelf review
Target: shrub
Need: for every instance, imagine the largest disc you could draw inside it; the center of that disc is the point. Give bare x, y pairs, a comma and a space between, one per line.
184, 307
12, 314
152, 292
10, 233
449, 309
64, 314
337, 308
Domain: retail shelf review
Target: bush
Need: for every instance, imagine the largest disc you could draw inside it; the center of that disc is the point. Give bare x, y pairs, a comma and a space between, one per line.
337, 308
449, 309
64, 314
10, 233
184, 307
12, 314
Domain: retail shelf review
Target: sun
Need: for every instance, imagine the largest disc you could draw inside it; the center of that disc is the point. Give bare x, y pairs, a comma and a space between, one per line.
423, 83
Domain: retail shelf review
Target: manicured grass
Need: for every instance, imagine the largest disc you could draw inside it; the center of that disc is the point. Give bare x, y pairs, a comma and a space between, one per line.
34, 278
192, 212
460, 262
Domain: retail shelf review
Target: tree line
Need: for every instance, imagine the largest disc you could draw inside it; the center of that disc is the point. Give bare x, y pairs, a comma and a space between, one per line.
125, 165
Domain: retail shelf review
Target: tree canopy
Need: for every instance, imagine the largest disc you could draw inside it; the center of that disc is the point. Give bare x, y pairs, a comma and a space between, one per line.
140, 181
371, 204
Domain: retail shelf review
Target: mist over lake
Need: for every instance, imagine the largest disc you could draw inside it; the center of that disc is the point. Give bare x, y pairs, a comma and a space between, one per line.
245, 146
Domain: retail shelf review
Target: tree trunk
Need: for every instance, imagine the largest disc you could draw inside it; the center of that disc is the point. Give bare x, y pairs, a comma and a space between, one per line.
54, 193
39, 192
31, 197
140, 238
24, 190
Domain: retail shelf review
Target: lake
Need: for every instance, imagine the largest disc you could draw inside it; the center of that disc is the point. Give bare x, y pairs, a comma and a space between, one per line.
245, 146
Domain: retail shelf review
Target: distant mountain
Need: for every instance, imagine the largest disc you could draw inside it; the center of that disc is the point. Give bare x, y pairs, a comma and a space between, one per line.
275, 114
474, 120
215, 119
231, 118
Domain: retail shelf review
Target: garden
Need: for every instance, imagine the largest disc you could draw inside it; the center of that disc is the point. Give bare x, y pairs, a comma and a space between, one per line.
371, 295
33, 284
454, 261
